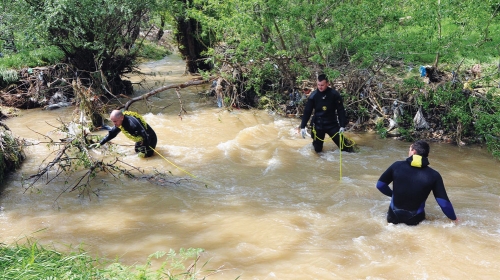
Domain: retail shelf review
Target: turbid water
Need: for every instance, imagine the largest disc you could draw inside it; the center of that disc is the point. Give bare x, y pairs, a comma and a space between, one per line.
272, 209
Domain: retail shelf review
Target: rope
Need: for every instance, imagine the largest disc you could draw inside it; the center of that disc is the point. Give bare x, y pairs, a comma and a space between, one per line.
206, 184
341, 142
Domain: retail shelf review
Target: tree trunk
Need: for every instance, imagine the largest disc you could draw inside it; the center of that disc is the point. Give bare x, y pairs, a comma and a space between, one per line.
162, 28
191, 45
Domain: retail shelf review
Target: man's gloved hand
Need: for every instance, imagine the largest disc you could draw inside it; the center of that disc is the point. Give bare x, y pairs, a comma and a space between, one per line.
341, 130
303, 132
95, 145
141, 155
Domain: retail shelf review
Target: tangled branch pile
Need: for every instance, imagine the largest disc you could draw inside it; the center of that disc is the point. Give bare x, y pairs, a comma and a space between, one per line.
73, 160
40, 87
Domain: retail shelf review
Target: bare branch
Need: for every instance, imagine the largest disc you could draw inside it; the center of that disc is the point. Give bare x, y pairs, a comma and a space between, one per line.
164, 88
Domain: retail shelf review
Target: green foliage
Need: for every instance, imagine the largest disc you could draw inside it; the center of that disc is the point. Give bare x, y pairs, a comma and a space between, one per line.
272, 102
362, 111
380, 129
74, 25
33, 261
263, 79
193, 36
152, 51
94, 36
303, 38
460, 113
11, 152
456, 108
176, 265
412, 83
32, 58
407, 134
8, 76
488, 127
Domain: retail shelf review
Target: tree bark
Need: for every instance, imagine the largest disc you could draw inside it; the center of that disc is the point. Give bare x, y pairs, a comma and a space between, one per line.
164, 88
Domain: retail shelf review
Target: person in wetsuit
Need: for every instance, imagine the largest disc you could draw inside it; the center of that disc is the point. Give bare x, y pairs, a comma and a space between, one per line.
329, 115
412, 181
135, 128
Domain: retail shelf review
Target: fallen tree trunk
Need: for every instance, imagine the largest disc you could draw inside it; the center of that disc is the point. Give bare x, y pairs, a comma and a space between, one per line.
164, 88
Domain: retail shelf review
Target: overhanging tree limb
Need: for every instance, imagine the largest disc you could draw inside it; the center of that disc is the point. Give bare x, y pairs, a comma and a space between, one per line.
164, 88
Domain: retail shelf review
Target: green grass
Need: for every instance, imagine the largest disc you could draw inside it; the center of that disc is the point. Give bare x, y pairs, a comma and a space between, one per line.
32, 58
52, 55
152, 51
8, 76
33, 261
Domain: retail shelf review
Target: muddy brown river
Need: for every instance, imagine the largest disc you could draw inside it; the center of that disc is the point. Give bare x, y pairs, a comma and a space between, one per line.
272, 208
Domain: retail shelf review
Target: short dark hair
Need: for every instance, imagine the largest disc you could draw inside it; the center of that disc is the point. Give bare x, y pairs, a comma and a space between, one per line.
421, 147
322, 77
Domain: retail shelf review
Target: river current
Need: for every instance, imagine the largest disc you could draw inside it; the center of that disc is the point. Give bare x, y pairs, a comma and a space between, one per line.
263, 204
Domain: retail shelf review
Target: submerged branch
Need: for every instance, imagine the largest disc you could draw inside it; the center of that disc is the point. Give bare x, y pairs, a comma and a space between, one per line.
45, 169
74, 156
180, 102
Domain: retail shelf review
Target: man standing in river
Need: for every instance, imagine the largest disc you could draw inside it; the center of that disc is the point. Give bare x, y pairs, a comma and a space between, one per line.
329, 115
135, 128
412, 181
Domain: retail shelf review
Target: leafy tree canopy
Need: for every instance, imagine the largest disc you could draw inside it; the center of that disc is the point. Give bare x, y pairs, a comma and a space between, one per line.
303, 37
94, 35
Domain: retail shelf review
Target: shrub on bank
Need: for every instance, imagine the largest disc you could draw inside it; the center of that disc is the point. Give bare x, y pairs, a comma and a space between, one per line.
32, 58
33, 261
11, 152
152, 51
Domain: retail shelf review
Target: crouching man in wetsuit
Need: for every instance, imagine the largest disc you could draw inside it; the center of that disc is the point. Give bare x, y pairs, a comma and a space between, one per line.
329, 115
412, 181
135, 128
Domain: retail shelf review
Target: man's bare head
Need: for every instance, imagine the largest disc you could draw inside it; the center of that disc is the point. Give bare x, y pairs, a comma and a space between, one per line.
116, 117
322, 82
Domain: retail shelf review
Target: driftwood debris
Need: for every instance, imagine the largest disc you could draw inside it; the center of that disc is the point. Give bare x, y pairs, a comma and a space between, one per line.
74, 161
36, 87
164, 88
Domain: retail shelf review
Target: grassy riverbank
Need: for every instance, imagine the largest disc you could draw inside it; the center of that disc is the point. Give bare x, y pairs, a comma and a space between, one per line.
51, 55
33, 261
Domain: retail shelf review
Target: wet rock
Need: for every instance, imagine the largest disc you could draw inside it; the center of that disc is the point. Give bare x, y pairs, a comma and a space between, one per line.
394, 133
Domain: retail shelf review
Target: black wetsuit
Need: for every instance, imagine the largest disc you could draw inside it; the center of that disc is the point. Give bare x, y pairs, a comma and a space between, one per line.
329, 116
412, 182
135, 128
